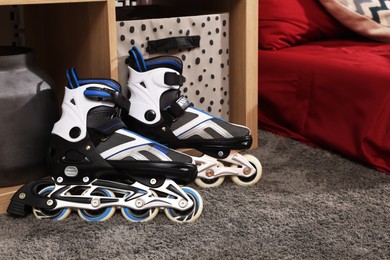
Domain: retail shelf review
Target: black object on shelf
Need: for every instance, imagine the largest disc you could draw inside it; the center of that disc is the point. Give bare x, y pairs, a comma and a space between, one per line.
28, 111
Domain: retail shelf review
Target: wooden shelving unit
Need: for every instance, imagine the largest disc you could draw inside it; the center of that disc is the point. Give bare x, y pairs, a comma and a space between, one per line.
67, 33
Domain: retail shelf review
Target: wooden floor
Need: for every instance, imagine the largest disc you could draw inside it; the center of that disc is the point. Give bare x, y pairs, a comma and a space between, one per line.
5, 196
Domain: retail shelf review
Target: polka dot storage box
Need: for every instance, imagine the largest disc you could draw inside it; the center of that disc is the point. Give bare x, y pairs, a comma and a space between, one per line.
205, 63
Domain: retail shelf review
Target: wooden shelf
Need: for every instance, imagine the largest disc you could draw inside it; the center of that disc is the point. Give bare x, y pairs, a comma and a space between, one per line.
244, 64
83, 34
5, 196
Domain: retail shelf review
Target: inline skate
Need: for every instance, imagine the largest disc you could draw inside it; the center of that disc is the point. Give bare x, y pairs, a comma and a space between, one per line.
161, 113
98, 165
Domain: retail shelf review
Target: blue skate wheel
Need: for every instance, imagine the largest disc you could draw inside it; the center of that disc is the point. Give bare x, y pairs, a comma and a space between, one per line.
135, 215
189, 215
101, 214
57, 214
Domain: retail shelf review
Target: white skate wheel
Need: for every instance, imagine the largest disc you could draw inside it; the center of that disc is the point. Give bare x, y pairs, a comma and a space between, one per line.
253, 179
58, 214
140, 215
98, 214
189, 215
210, 183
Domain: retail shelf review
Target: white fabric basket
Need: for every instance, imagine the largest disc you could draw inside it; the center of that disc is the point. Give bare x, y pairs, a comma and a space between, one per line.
206, 67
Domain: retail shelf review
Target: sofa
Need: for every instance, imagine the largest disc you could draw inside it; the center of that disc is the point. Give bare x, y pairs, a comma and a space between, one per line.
324, 75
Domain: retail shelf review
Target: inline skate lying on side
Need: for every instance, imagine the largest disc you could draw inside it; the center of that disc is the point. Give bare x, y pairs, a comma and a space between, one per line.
98, 165
161, 113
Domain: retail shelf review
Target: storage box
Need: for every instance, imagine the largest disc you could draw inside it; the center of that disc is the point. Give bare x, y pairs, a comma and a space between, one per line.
206, 67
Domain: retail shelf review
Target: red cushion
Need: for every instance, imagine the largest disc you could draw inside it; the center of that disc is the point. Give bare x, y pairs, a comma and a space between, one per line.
291, 22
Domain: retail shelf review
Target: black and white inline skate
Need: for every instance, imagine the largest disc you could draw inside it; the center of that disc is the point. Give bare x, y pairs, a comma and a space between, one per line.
98, 165
161, 113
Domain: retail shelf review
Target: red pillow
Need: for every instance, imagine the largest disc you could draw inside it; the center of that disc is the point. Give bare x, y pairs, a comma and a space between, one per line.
285, 23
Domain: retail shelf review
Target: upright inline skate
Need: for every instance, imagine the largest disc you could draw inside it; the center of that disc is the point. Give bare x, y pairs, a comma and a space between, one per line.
98, 165
161, 113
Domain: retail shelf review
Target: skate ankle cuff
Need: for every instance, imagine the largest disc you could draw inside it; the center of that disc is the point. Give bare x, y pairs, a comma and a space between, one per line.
176, 109
173, 79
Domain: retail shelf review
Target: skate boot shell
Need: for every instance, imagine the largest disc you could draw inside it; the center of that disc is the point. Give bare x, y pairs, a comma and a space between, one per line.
161, 113
99, 166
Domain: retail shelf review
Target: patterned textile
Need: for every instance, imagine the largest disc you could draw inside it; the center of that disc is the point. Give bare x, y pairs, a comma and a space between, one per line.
377, 10
370, 18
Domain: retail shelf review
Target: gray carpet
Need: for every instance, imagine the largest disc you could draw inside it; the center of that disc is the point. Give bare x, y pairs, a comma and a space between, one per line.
310, 204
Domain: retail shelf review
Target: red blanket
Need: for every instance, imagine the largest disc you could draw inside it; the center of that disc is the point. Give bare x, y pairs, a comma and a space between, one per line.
333, 94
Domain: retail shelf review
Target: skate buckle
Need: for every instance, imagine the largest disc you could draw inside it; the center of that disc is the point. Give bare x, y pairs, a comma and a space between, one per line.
176, 109
173, 79
183, 102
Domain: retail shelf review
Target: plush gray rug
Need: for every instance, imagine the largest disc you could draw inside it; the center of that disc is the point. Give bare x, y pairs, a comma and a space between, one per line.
310, 204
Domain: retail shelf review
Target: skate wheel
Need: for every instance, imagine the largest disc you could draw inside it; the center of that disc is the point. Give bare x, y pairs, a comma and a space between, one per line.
134, 215
98, 214
57, 214
189, 215
251, 180
210, 183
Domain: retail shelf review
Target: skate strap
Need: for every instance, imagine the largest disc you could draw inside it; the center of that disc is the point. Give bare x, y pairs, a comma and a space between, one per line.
120, 100
176, 109
174, 79
105, 94
110, 126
